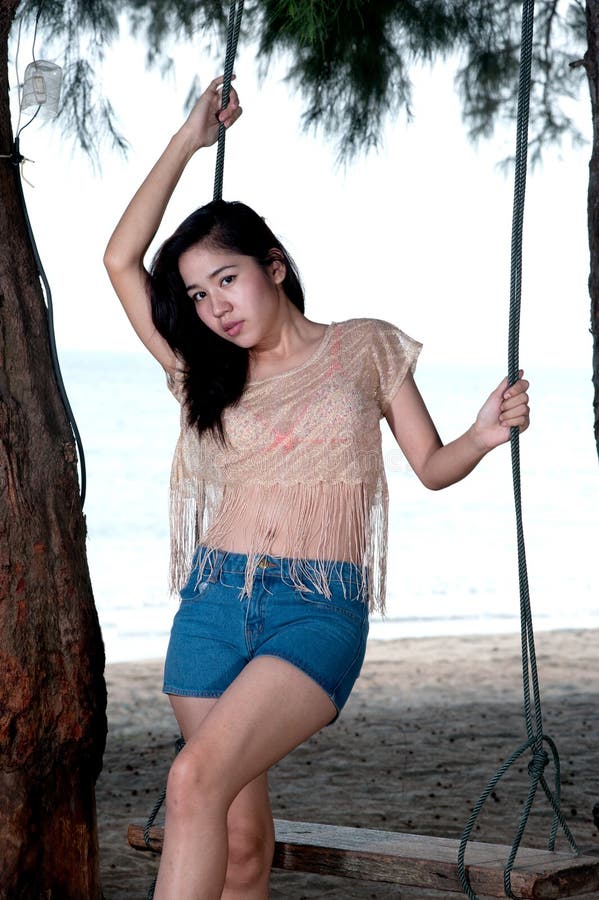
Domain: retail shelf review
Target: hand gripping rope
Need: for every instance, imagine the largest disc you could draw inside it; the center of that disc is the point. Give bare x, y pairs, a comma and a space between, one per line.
536, 739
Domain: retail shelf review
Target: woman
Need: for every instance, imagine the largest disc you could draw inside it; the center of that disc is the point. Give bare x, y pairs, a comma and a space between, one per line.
279, 504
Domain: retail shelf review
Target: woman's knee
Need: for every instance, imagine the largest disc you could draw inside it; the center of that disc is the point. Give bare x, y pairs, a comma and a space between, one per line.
251, 846
192, 784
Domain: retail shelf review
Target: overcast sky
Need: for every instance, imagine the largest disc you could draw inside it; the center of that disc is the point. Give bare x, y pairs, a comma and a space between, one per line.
417, 234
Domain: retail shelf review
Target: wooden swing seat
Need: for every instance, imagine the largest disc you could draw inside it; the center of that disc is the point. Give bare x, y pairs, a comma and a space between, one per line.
417, 860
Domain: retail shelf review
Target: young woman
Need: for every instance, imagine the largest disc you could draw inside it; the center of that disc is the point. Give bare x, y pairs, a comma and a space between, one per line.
279, 504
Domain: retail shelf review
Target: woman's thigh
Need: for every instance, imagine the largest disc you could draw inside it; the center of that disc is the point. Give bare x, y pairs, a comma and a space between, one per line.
269, 709
190, 712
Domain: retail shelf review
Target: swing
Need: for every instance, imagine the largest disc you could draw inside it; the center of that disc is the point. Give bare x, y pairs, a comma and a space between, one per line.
415, 860
423, 861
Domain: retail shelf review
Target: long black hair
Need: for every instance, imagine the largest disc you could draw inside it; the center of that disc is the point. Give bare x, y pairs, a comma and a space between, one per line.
216, 370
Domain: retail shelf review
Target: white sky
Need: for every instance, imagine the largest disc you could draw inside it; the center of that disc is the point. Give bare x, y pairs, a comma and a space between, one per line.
418, 233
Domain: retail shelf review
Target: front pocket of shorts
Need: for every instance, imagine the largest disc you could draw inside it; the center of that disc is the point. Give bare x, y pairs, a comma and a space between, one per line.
193, 589
354, 609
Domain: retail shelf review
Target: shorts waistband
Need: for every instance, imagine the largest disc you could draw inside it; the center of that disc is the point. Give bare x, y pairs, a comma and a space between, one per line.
276, 566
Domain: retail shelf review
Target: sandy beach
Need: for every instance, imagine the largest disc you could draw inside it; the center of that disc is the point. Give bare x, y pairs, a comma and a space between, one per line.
429, 722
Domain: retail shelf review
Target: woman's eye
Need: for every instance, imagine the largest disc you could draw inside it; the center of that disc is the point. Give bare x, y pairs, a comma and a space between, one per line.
227, 279
199, 295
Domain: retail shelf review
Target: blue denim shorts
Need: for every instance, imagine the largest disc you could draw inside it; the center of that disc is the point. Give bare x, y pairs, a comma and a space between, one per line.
215, 633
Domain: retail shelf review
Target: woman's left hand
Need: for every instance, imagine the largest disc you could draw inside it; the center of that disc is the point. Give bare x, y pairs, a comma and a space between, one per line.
202, 123
506, 407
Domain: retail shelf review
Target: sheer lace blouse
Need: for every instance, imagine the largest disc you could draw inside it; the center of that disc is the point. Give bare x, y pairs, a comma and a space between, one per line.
302, 476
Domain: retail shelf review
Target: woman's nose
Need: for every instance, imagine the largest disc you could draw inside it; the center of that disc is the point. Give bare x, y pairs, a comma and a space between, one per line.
220, 305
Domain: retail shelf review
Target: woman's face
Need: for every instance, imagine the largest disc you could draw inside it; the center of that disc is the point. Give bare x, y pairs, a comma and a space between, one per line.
233, 295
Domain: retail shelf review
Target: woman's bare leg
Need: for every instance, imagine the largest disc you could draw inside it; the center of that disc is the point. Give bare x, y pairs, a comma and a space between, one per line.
250, 828
268, 710
251, 843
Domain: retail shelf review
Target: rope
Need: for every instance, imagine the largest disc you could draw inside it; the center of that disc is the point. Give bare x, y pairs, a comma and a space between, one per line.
536, 739
233, 27
17, 160
179, 744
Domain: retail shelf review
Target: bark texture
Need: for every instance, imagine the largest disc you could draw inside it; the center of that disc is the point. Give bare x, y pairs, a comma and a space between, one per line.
52, 692
591, 61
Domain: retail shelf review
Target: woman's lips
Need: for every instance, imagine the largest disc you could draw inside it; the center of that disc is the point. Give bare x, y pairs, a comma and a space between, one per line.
233, 329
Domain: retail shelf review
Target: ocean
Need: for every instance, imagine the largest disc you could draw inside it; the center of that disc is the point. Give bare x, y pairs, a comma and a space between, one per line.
452, 566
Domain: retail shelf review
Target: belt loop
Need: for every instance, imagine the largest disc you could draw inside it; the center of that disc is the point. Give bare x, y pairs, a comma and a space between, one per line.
217, 565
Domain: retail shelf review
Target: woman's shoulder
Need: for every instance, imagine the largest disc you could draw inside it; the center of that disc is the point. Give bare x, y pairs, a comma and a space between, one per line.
365, 322
369, 325
363, 326
377, 338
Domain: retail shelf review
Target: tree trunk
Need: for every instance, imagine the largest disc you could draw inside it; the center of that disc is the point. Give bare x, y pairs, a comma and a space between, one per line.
52, 692
591, 61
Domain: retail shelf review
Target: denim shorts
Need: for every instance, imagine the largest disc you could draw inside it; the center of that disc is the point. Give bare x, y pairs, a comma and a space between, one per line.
215, 633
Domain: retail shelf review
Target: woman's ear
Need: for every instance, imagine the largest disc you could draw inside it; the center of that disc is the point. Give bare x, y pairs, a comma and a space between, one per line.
276, 266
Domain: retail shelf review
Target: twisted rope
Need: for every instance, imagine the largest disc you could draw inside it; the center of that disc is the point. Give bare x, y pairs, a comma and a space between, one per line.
532, 698
233, 27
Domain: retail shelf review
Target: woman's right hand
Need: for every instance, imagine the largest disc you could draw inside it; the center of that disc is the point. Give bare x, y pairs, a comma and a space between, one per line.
203, 121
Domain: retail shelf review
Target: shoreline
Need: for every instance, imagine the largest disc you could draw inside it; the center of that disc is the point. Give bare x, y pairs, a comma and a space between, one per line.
429, 721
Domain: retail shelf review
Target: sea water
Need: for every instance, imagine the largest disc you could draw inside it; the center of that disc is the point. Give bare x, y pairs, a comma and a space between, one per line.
452, 566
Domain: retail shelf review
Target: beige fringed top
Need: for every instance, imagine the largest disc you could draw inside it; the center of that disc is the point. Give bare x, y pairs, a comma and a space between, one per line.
303, 474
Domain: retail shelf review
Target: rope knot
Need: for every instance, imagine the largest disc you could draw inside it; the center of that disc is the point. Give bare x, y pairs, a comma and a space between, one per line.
538, 763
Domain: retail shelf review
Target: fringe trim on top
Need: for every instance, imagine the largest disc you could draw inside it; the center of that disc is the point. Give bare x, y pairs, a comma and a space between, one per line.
316, 526
302, 477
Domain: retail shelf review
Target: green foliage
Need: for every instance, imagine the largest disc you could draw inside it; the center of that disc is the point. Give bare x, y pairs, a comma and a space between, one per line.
350, 59
488, 77
159, 20
77, 33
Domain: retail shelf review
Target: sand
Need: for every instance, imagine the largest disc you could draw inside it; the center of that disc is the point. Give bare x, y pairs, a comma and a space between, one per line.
428, 723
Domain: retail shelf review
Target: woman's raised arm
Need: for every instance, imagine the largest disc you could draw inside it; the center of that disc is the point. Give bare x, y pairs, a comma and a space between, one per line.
131, 238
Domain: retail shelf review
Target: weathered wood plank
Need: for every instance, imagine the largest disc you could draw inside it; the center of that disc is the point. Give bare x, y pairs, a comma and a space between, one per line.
418, 860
